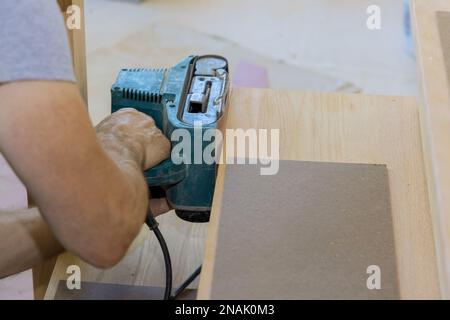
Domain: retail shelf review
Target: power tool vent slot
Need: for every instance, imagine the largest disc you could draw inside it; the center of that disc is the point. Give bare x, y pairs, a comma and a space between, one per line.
160, 70
139, 95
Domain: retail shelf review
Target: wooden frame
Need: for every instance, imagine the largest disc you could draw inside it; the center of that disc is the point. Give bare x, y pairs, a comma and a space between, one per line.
78, 45
435, 123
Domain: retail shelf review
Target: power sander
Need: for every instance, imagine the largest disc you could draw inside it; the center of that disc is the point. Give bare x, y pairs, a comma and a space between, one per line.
192, 95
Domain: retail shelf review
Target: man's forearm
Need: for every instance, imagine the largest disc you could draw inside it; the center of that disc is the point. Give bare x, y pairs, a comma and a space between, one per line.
93, 196
26, 241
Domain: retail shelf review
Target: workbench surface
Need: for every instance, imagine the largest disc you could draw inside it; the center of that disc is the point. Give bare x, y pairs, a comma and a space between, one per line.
315, 127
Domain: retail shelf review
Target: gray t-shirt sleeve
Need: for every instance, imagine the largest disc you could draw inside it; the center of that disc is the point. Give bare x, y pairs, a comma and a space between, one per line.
33, 42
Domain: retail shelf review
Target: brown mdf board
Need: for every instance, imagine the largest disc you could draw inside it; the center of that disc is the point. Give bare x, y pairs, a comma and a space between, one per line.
327, 127
345, 128
313, 230
108, 291
431, 24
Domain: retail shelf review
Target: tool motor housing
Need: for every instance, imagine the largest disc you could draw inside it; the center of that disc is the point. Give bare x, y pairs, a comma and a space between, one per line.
192, 92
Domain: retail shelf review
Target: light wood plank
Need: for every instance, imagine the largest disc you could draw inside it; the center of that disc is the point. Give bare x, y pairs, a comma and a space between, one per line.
77, 41
435, 120
41, 277
352, 129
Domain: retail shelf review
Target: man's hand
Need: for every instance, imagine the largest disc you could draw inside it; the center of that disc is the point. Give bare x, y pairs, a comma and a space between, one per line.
132, 135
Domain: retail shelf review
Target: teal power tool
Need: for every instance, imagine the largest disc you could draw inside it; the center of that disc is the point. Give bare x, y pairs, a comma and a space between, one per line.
192, 92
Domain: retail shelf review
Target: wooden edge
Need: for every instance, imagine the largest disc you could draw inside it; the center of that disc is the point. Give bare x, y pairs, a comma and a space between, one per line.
58, 274
77, 41
205, 283
434, 112
206, 276
41, 277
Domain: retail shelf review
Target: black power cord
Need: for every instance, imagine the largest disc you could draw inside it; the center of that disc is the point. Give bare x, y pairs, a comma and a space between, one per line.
154, 226
187, 282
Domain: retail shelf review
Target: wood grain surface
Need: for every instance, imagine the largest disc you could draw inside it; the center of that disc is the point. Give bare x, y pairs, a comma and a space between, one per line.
354, 129
431, 21
77, 41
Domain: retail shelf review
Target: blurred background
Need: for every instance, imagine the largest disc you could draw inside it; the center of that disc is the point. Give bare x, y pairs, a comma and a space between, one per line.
319, 45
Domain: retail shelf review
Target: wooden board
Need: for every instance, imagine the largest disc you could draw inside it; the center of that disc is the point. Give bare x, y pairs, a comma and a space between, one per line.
41, 277
314, 127
353, 129
432, 36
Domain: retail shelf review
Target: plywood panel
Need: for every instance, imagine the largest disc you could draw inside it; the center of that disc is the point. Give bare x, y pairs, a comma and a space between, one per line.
353, 129
77, 44
431, 21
